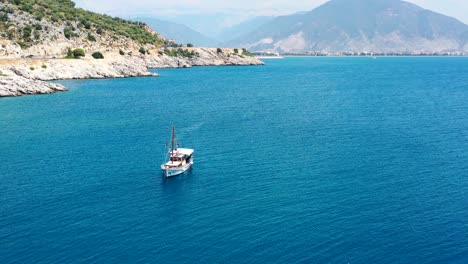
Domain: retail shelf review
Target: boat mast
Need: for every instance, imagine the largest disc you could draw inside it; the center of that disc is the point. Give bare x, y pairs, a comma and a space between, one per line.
172, 148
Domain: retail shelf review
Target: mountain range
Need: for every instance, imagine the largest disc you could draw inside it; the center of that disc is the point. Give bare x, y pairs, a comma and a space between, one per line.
360, 26
239, 30
340, 26
184, 34
180, 33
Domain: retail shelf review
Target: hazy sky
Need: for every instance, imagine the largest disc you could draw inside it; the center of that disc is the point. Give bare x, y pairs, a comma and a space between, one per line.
127, 8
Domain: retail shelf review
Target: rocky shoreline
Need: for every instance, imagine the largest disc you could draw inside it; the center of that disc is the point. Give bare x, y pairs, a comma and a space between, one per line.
15, 85
29, 76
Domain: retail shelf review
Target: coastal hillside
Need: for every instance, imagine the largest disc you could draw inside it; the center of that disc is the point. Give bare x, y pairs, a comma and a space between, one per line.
48, 28
52, 40
355, 26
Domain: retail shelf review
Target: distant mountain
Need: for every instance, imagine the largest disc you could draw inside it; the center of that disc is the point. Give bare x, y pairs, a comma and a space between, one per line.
360, 26
179, 32
238, 30
209, 24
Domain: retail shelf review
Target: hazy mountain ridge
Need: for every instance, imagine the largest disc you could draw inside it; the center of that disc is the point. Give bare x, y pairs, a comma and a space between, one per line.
180, 33
238, 30
377, 26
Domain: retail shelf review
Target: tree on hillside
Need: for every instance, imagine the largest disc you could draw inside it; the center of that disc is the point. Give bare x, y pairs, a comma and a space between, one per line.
70, 54
27, 32
97, 55
79, 53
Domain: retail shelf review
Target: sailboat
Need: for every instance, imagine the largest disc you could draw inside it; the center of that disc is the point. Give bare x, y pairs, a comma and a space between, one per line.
178, 160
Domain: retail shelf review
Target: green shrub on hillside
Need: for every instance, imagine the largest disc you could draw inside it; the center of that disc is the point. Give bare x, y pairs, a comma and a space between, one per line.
27, 32
11, 34
27, 8
38, 16
23, 44
246, 53
172, 45
86, 24
38, 26
3, 17
142, 50
64, 11
219, 50
70, 54
97, 55
78, 53
121, 52
91, 37
180, 53
67, 32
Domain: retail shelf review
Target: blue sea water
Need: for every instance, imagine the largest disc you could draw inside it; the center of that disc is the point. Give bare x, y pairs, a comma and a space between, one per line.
303, 160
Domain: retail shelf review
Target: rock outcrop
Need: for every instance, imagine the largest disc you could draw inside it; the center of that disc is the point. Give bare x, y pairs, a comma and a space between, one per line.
27, 76
63, 69
9, 49
205, 57
14, 85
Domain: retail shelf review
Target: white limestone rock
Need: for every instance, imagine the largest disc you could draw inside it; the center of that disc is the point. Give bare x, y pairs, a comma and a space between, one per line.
14, 85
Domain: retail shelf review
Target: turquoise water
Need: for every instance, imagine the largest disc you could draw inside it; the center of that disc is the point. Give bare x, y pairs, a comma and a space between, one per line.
304, 160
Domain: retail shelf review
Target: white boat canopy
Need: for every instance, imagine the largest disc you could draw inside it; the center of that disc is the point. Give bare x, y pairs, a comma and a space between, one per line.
182, 151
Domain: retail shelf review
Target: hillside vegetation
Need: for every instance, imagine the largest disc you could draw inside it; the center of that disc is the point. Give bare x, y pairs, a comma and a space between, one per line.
35, 22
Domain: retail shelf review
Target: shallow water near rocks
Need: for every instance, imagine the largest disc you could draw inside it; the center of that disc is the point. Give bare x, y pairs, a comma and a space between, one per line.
303, 160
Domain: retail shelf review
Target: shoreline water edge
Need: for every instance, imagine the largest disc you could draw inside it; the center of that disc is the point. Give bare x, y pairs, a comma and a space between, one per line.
28, 76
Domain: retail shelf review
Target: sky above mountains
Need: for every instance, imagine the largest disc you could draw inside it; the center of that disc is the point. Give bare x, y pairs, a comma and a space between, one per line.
241, 9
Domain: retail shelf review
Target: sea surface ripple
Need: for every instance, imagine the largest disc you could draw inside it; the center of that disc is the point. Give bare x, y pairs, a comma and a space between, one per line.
303, 160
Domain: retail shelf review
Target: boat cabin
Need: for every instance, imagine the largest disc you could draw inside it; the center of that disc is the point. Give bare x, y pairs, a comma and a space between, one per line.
179, 157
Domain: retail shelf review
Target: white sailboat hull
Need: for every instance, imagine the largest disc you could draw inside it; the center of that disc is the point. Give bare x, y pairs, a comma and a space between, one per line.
175, 171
